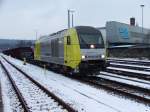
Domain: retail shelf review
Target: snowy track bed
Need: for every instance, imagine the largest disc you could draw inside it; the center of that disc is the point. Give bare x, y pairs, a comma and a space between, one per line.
131, 91
145, 75
11, 102
82, 97
130, 66
34, 97
125, 79
137, 88
130, 61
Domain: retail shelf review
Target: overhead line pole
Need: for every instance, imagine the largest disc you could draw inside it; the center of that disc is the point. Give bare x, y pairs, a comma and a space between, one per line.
68, 18
72, 19
70, 23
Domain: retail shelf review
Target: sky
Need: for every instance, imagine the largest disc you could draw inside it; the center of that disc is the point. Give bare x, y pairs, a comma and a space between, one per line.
21, 19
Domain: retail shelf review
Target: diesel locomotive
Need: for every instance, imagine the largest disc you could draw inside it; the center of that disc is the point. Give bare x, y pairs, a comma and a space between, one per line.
80, 49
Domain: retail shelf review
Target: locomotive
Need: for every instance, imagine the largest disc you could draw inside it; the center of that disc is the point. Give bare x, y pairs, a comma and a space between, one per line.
80, 49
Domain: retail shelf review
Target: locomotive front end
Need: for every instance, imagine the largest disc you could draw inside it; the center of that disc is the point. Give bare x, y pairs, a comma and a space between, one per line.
92, 50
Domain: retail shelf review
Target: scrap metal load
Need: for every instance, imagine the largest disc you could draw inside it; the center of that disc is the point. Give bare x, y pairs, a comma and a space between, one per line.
20, 53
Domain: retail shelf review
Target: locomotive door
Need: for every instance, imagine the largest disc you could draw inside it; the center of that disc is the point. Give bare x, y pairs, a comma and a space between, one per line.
72, 49
68, 49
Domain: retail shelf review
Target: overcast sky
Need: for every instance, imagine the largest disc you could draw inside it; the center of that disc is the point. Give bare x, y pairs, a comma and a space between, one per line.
21, 18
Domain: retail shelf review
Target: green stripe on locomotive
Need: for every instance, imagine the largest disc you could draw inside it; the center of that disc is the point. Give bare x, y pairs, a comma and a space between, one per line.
37, 50
72, 56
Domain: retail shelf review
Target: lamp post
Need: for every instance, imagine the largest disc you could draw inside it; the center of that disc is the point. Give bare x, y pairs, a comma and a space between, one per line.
142, 6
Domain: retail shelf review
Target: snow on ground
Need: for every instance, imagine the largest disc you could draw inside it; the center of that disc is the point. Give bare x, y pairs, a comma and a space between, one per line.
130, 70
9, 98
133, 79
125, 80
81, 96
36, 99
131, 59
132, 65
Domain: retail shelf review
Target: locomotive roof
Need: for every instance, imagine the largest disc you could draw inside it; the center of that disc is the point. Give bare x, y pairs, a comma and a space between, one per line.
80, 29
52, 35
58, 32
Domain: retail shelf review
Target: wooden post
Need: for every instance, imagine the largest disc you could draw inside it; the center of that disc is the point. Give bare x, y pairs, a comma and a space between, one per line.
24, 61
44, 69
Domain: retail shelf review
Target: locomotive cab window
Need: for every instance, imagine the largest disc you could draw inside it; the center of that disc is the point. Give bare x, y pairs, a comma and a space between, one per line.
68, 40
91, 39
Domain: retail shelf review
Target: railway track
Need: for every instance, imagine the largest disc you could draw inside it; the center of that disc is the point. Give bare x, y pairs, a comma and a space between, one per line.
137, 93
129, 73
131, 66
18, 94
132, 91
125, 61
32, 95
125, 79
131, 70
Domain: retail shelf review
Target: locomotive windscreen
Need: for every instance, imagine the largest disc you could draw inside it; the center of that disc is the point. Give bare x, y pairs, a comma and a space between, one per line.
89, 36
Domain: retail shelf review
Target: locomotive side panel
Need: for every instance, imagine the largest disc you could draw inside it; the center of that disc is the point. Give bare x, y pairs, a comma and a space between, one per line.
52, 50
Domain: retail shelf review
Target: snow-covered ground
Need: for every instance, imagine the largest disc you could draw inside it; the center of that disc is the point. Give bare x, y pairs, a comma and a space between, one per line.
131, 59
129, 81
10, 101
126, 80
81, 96
36, 99
130, 70
132, 65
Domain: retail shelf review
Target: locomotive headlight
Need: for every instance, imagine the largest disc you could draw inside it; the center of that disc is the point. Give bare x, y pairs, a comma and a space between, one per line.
83, 56
92, 46
102, 56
